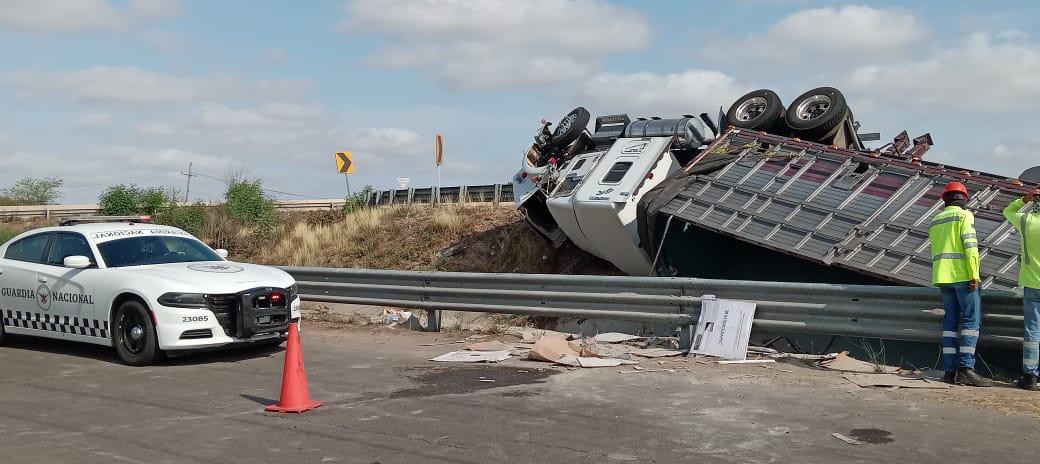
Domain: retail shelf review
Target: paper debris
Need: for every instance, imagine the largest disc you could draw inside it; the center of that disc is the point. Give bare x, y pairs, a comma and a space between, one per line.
443, 343
599, 362
493, 345
892, 380
655, 352
843, 362
747, 361
724, 328
846, 439
551, 349
473, 356
615, 337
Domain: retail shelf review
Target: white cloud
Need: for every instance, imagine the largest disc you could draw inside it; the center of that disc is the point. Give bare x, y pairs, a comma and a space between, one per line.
978, 74
270, 115
156, 128
498, 43
130, 85
667, 95
825, 38
90, 120
82, 15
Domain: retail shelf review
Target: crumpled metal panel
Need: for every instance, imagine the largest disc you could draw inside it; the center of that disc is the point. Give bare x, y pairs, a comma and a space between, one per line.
866, 212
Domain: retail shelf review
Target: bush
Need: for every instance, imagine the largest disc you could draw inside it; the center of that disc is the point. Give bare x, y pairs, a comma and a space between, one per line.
190, 218
120, 200
247, 204
33, 191
357, 200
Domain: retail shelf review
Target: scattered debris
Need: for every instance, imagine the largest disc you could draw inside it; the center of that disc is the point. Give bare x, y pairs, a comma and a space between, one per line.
761, 350
846, 439
493, 345
615, 337
892, 380
532, 335
746, 361
647, 371
443, 343
486, 380
473, 356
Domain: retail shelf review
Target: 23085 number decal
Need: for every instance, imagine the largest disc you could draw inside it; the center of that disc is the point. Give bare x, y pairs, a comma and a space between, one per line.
194, 318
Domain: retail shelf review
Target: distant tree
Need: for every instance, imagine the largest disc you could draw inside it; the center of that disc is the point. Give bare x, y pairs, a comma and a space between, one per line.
34, 191
247, 204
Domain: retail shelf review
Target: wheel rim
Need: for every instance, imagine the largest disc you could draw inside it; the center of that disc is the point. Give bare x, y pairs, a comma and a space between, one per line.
751, 108
132, 331
565, 124
813, 107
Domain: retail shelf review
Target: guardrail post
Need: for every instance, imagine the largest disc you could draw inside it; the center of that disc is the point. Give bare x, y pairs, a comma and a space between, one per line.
463, 194
411, 193
433, 316
436, 196
498, 195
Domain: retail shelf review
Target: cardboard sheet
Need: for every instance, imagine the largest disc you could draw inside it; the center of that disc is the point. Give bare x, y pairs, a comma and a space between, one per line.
615, 337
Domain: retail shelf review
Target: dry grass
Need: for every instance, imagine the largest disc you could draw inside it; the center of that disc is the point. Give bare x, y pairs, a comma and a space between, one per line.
415, 238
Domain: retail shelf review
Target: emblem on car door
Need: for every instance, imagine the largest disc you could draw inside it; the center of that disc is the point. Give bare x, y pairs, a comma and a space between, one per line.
43, 297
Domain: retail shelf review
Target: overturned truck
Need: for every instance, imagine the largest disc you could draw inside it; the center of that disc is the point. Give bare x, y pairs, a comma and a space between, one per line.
763, 192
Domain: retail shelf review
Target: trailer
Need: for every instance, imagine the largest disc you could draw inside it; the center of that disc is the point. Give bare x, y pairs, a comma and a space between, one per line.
781, 194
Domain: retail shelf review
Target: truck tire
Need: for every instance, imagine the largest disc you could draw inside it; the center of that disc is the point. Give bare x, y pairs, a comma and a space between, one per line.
817, 112
1031, 175
758, 110
133, 335
570, 127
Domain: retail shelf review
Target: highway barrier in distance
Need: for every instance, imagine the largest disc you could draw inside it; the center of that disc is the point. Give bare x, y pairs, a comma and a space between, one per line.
492, 193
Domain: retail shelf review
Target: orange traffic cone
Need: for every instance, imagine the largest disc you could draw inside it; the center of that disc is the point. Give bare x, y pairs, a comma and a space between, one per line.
296, 397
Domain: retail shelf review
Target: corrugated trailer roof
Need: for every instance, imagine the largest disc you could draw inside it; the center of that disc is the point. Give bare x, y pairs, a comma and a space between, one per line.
867, 212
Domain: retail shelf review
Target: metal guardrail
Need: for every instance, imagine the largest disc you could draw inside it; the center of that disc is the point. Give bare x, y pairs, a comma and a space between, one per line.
897, 313
493, 193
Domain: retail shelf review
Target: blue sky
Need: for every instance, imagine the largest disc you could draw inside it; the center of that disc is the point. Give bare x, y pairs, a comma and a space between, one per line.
99, 92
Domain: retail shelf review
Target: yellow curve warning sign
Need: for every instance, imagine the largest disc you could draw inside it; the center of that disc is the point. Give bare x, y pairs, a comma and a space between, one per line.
345, 162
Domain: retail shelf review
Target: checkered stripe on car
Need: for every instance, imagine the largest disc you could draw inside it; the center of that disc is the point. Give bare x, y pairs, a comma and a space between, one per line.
56, 323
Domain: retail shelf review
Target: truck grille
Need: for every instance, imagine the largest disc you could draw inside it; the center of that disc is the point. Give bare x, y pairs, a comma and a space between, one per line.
225, 308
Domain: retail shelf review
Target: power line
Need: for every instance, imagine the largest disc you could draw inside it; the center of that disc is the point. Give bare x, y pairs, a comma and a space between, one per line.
228, 182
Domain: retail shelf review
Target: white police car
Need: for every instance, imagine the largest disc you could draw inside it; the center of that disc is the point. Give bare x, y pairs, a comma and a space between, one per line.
144, 289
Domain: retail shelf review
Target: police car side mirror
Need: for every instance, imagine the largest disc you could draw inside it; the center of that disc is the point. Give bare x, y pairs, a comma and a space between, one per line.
77, 262
221, 252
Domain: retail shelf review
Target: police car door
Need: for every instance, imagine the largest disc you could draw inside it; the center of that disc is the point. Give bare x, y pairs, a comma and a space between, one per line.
23, 311
67, 294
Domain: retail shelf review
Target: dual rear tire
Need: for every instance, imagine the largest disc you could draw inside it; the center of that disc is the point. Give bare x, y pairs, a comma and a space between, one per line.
815, 115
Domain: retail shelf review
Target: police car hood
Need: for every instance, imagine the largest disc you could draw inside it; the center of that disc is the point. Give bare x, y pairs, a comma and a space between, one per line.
213, 276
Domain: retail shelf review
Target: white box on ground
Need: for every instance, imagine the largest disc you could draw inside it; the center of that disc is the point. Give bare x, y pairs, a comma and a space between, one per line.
724, 328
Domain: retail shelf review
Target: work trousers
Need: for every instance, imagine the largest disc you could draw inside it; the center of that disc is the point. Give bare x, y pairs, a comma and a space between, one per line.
960, 325
1031, 341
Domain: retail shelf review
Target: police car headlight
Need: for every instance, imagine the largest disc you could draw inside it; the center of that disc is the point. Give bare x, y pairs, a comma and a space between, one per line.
294, 290
183, 300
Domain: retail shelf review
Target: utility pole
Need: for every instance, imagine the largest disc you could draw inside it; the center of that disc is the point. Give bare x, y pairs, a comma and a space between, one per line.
187, 188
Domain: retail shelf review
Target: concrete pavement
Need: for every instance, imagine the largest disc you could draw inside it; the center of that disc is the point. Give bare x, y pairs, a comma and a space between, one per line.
385, 403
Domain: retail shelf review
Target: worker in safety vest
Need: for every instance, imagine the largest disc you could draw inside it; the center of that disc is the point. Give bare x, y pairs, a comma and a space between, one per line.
1028, 224
955, 270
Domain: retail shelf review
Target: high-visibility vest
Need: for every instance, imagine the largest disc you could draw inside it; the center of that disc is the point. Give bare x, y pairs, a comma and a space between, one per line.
1028, 225
955, 248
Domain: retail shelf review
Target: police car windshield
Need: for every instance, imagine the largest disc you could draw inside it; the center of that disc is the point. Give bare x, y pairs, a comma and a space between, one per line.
140, 251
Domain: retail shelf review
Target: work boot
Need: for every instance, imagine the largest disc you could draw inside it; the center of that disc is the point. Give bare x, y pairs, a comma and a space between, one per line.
950, 378
1027, 382
968, 377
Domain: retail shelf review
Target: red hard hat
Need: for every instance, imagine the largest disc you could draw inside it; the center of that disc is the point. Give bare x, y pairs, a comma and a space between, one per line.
956, 187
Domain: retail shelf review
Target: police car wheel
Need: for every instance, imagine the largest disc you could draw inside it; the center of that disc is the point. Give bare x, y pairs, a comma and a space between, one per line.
134, 335
4, 336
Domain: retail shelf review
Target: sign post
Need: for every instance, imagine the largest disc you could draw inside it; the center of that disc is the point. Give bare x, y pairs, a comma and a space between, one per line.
345, 165
440, 160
